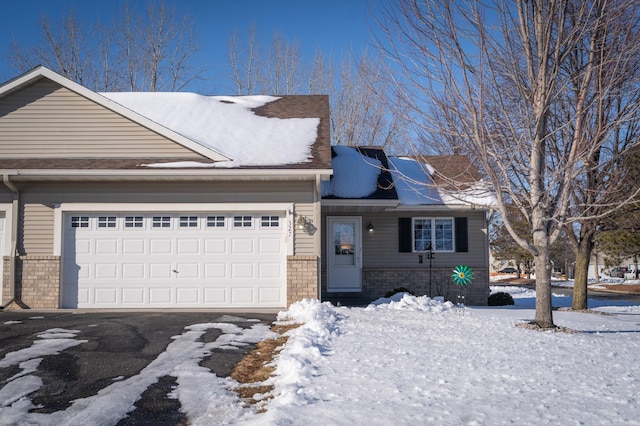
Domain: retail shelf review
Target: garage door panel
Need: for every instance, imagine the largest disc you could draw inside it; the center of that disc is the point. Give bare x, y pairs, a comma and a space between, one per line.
133, 271
160, 271
106, 271
242, 296
160, 295
105, 296
160, 246
215, 270
106, 246
133, 246
187, 260
215, 246
133, 296
242, 270
242, 246
187, 271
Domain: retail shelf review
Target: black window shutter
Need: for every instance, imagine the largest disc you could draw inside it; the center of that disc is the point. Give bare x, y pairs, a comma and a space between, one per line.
462, 236
404, 235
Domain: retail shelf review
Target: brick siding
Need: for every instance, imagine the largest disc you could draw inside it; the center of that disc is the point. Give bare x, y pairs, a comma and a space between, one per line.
302, 278
376, 282
37, 282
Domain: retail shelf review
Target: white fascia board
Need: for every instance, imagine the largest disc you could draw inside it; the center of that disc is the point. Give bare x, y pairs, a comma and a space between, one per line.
440, 207
333, 202
41, 71
166, 174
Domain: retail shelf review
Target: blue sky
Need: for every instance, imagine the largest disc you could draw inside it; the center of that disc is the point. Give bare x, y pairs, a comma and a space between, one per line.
334, 26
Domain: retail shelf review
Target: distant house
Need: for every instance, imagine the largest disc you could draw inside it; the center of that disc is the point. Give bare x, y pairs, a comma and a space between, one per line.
176, 200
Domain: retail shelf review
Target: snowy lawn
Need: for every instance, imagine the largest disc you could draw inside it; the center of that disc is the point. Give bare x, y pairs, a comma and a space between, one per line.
406, 361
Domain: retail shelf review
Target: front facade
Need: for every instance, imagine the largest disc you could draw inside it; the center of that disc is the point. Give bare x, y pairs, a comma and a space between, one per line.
102, 208
405, 232
127, 201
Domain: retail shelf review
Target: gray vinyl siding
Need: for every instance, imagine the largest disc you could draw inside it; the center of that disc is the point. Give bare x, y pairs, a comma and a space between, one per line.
39, 200
37, 229
45, 120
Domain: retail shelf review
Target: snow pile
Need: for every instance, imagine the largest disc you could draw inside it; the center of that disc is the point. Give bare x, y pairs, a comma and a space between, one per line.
354, 175
226, 125
299, 361
407, 301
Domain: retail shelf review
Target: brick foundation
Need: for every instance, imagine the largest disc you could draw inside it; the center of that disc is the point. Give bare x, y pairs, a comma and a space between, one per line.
302, 278
37, 282
376, 282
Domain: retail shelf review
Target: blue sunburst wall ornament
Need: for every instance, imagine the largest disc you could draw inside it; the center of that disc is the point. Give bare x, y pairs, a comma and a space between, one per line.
462, 275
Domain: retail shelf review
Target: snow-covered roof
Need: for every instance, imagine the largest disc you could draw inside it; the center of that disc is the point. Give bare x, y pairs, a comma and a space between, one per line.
356, 175
227, 125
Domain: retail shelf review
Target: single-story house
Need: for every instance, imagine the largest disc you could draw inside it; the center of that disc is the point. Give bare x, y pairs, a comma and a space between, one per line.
177, 200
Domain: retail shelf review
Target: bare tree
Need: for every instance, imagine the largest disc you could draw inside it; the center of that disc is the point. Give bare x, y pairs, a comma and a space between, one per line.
610, 117
497, 74
243, 62
149, 52
358, 90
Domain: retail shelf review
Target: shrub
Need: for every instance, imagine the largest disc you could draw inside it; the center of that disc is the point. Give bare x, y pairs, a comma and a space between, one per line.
500, 299
399, 290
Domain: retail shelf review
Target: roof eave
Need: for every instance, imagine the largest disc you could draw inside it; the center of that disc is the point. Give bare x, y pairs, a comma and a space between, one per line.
160, 174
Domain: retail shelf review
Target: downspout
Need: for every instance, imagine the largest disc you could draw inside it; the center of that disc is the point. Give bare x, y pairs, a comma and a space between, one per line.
14, 239
317, 201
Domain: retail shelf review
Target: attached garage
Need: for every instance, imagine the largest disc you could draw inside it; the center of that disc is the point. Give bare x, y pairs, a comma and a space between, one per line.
174, 259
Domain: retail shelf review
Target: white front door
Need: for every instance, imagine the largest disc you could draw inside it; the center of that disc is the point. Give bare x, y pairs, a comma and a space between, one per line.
344, 254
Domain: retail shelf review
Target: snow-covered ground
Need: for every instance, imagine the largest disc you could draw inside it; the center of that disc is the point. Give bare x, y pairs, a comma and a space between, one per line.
407, 360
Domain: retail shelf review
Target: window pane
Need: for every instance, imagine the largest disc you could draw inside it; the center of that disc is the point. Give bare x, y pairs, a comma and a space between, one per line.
344, 239
421, 234
106, 222
443, 234
133, 222
161, 222
188, 221
215, 221
80, 221
270, 221
242, 221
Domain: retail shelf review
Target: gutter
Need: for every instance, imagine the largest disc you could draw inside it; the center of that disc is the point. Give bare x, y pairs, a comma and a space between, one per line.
14, 240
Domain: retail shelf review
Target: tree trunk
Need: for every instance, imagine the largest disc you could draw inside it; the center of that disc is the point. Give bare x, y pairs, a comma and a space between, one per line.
544, 315
581, 276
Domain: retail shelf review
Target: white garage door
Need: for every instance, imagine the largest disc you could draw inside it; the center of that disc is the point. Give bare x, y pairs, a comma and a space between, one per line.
134, 260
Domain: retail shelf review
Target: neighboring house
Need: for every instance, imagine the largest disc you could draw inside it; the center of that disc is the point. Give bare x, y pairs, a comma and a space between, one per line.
176, 200
382, 215
158, 200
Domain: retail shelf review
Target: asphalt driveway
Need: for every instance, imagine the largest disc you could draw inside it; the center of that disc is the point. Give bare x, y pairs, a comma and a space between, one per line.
100, 348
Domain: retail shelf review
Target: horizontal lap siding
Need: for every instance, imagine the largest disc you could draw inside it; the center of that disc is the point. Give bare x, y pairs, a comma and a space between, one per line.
380, 247
38, 201
46, 120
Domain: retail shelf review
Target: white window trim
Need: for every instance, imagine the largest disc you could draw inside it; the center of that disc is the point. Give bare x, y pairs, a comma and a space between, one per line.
65, 208
433, 233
